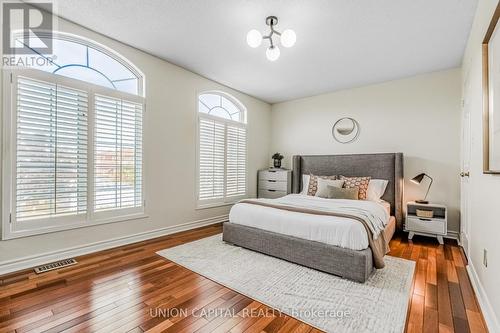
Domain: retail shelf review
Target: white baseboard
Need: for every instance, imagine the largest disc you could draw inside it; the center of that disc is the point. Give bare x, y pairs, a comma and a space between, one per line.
485, 305
462, 239
48, 257
452, 235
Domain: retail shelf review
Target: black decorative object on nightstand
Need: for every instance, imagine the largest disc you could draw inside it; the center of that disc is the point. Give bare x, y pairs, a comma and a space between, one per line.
277, 157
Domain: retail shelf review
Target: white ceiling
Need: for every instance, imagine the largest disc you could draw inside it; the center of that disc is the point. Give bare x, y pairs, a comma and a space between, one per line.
340, 43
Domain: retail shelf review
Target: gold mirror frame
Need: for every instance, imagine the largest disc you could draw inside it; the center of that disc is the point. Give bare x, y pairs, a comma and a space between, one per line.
486, 94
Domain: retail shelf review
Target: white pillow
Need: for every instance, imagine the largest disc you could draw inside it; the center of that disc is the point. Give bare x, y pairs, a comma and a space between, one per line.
376, 189
305, 184
323, 184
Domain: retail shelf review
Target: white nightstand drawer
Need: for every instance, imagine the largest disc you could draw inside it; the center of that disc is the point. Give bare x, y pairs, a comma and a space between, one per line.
273, 175
273, 185
271, 194
431, 226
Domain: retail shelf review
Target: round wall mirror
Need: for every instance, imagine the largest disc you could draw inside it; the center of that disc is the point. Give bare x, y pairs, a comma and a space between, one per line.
345, 130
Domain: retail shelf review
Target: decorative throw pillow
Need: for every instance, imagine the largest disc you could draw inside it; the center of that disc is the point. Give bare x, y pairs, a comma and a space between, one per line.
313, 183
343, 193
359, 182
376, 189
324, 184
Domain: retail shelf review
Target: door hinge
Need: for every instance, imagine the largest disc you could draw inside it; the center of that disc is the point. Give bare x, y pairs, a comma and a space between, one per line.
10, 218
144, 204
11, 79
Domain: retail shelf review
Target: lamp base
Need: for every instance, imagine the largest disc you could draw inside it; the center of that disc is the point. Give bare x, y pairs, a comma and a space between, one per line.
424, 202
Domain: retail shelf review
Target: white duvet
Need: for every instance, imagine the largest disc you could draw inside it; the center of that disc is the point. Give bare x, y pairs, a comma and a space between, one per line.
339, 231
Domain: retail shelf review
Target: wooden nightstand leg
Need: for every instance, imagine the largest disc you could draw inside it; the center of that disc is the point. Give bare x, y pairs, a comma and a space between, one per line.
440, 240
410, 235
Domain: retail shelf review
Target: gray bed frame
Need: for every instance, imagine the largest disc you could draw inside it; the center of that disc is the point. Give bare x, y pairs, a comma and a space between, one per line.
350, 264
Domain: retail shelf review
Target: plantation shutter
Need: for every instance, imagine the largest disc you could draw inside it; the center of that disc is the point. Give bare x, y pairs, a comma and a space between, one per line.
235, 160
51, 150
211, 159
117, 154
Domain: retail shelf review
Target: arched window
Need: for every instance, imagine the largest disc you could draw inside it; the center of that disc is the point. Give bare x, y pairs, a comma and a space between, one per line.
85, 60
221, 105
75, 128
222, 155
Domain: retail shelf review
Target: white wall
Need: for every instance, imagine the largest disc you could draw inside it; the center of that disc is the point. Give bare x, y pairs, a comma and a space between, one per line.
484, 189
170, 153
419, 116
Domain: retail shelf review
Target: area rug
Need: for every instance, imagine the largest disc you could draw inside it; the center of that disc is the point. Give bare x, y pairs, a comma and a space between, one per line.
324, 301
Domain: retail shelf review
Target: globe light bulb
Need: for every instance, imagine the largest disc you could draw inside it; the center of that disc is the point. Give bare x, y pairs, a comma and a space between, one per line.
272, 53
254, 38
288, 38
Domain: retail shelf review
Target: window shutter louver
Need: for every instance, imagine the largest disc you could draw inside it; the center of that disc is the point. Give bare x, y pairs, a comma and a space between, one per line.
118, 154
211, 159
236, 161
51, 150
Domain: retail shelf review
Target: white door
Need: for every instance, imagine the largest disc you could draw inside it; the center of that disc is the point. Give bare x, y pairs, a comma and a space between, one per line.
465, 172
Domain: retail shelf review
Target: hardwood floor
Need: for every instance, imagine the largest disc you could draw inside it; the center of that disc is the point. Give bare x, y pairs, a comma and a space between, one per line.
119, 290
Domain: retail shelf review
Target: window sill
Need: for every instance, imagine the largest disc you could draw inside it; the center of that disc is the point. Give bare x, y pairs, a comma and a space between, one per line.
215, 205
9, 233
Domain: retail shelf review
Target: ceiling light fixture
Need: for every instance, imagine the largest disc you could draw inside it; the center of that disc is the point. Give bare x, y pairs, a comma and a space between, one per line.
287, 38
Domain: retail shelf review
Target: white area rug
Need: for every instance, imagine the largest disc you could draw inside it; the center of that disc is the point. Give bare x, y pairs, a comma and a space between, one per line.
319, 299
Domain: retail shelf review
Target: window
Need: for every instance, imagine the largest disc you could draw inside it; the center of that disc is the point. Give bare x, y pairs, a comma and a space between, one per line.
87, 61
221, 149
76, 153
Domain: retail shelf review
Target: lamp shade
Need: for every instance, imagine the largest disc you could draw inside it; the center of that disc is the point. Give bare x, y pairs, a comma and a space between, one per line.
254, 38
288, 38
418, 178
273, 53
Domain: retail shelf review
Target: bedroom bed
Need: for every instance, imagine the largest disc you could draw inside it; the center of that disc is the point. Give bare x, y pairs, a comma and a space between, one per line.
333, 244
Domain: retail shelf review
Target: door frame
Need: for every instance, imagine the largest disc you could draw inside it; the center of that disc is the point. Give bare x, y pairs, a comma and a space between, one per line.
465, 160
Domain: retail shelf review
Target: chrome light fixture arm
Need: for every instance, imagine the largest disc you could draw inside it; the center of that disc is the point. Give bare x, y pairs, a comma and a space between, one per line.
287, 38
271, 21
270, 37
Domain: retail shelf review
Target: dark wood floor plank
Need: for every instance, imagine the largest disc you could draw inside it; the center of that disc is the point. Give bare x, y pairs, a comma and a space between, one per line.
420, 276
229, 324
460, 322
431, 322
466, 288
444, 304
416, 320
476, 322
114, 291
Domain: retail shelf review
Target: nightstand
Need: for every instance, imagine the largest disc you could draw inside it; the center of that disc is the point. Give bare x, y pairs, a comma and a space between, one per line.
427, 220
274, 183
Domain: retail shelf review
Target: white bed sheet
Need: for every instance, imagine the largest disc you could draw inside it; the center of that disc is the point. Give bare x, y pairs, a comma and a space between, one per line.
387, 206
338, 231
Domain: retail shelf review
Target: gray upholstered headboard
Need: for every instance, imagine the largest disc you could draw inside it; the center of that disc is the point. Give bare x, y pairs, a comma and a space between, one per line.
378, 166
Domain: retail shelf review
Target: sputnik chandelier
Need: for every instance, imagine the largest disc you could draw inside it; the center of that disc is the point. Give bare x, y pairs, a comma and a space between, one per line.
287, 38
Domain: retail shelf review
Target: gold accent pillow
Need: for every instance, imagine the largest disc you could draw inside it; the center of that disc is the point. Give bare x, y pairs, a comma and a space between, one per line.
313, 183
359, 182
343, 193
